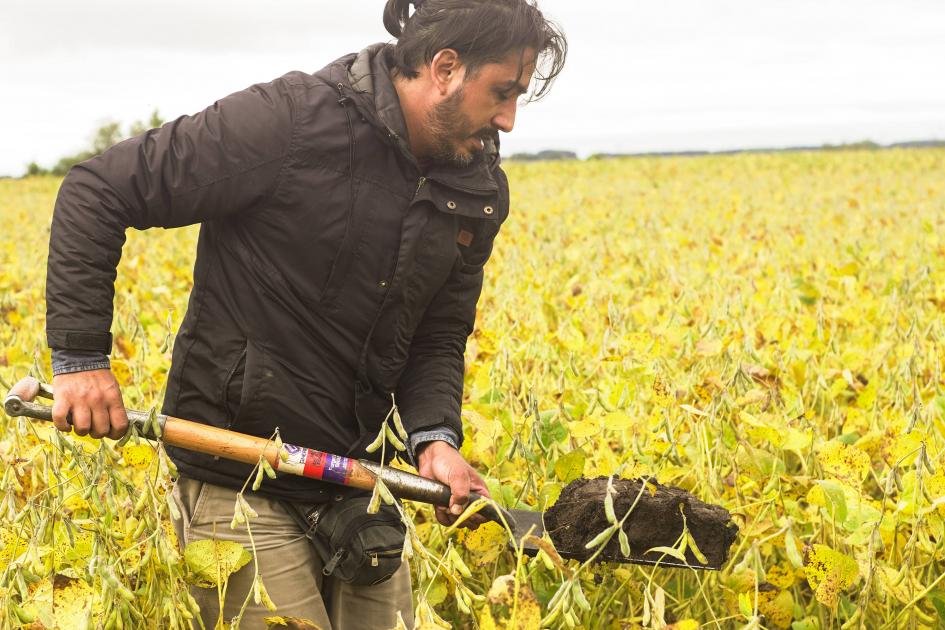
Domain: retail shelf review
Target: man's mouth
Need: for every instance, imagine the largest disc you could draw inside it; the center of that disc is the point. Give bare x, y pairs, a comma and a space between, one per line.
477, 143
483, 136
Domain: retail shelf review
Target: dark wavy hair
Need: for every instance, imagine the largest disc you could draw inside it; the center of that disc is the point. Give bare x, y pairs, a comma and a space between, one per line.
480, 31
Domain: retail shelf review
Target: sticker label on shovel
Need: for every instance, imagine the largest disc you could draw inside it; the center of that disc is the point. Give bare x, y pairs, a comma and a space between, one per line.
314, 464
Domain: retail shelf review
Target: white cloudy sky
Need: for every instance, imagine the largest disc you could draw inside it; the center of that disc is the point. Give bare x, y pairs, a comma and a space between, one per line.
642, 75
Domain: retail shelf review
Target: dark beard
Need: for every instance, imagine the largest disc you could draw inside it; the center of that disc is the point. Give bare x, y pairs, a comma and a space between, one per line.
449, 126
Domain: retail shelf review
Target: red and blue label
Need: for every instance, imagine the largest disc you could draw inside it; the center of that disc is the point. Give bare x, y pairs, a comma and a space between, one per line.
308, 462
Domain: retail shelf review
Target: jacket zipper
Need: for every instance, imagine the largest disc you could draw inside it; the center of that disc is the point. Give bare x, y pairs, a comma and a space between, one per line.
420, 184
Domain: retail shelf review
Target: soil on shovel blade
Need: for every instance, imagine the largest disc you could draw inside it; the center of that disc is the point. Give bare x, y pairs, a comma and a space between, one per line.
578, 516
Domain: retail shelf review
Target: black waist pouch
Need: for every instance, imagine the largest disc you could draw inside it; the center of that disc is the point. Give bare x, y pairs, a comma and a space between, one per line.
354, 545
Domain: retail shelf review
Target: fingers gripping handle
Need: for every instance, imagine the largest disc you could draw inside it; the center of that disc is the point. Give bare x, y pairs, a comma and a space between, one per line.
412, 487
19, 402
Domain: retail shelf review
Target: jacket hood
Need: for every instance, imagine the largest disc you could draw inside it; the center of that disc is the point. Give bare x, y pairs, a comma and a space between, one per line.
368, 75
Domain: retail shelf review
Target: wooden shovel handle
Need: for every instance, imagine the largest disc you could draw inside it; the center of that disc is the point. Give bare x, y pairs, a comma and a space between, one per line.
291, 459
297, 460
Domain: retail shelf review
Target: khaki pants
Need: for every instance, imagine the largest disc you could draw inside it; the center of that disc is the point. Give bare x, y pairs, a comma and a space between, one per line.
288, 564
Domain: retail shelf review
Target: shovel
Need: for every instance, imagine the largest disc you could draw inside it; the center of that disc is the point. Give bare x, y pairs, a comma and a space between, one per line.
526, 525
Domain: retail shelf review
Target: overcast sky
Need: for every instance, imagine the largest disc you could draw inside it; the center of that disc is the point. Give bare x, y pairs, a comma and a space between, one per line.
641, 76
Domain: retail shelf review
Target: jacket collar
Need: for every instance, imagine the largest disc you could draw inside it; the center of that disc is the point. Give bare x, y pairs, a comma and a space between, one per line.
368, 77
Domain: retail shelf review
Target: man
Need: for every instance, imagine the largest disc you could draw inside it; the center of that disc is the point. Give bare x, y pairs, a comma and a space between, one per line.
345, 219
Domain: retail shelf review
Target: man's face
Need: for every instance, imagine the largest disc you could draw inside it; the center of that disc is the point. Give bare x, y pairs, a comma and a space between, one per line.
481, 105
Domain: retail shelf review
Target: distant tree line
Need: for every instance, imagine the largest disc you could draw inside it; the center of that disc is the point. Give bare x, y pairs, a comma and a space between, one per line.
552, 154
864, 145
105, 136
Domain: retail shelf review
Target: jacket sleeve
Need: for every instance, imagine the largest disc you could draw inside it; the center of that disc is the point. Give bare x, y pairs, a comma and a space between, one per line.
68, 361
225, 159
430, 393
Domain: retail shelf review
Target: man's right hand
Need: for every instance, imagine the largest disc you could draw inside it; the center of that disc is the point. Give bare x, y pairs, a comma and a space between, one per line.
92, 399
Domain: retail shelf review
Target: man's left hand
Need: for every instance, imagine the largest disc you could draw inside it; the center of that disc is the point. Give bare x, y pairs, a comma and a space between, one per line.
440, 461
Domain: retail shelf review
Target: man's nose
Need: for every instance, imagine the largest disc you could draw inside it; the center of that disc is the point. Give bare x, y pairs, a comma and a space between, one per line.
505, 119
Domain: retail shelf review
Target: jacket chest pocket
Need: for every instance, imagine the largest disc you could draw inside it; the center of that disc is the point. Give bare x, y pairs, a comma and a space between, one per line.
474, 238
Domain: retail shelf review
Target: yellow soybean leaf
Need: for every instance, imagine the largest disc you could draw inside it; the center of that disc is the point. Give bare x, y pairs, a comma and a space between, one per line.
584, 428
829, 572
482, 383
74, 603
746, 605
504, 597
437, 593
122, 372
856, 421
935, 486
642, 345
486, 542
781, 575
902, 589
844, 462
528, 615
125, 347
905, 447
39, 603
11, 546
837, 387
796, 440
618, 421
777, 606
791, 549
486, 622
75, 553
171, 533
662, 393
867, 396
570, 466
761, 429
211, 562
138, 456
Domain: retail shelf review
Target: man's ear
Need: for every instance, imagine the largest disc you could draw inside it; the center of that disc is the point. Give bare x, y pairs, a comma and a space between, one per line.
446, 70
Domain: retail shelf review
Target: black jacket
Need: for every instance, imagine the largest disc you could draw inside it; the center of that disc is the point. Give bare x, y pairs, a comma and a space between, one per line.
330, 274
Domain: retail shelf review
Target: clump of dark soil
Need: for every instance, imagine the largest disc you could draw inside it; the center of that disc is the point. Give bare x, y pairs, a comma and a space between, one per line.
656, 521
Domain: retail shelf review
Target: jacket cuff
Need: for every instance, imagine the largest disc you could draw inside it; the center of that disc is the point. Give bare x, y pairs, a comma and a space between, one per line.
68, 361
431, 434
445, 433
79, 340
